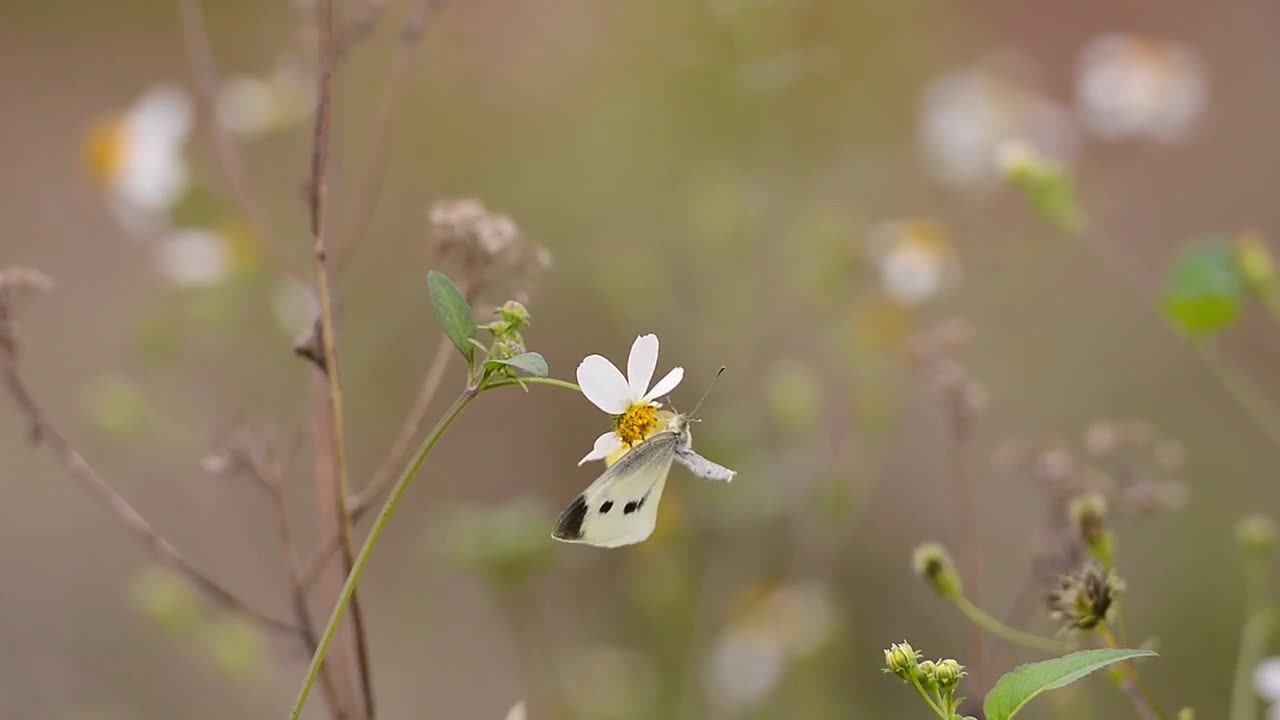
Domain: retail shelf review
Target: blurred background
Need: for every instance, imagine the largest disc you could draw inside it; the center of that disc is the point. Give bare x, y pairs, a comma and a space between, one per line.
806, 191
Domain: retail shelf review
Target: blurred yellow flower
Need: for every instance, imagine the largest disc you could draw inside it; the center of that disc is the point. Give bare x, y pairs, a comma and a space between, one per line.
137, 155
914, 259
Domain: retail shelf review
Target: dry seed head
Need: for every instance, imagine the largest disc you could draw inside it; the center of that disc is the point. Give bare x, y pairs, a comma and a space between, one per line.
1083, 599
932, 562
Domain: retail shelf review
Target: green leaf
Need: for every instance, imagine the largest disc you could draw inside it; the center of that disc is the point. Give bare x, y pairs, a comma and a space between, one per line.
1017, 688
1205, 289
453, 311
531, 363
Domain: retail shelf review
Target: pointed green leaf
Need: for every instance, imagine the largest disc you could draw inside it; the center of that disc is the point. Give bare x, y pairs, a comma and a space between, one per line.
1017, 688
530, 362
453, 311
1205, 289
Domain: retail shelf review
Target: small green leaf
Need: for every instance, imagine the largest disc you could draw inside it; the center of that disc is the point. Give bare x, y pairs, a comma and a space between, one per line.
530, 363
1017, 688
1205, 289
453, 311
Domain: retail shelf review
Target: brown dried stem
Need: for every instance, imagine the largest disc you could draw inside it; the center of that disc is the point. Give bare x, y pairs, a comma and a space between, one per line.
204, 75
318, 189
411, 34
43, 430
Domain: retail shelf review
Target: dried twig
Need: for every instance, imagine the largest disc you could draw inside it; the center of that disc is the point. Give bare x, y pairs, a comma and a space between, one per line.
44, 431
411, 34
204, 75
317, 190
391, 463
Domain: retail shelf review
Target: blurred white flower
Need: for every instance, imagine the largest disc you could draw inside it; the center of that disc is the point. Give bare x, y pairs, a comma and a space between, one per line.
914, 259
294, 306
967, 114
610, 682
1130, 86
1266, 680
518, 712
193, 258
753, 653
138, 154
251, 105
628, 399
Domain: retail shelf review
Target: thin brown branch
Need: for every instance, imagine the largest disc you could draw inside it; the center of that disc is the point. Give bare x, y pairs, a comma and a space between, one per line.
391, 463
415, 27
268, 476
318, 188
44, 431
204, 75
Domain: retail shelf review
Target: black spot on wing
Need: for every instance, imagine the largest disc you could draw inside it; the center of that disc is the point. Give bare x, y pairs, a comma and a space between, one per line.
605, 507
630, 507
569, 526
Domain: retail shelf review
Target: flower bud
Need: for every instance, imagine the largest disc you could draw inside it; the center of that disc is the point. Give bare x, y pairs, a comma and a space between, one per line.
902, 660
514, 314
1089, 516
1256, 534
927, 674
1256, 263
933, 563
949, 673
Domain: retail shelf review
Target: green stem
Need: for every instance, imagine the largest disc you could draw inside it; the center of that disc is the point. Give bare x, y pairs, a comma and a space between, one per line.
1142, 700
1000, 630
357, 568
1254, 638
384, 515
506, 382
1243, 389
937, 710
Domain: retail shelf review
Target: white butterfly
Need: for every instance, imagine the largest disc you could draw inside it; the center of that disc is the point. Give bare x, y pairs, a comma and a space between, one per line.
621, 506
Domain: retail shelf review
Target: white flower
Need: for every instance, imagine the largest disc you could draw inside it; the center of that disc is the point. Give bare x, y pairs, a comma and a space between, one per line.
137, 155
193, 258
914, 260
629, 398
518, 712
967, 114
1130, 86
1266, 680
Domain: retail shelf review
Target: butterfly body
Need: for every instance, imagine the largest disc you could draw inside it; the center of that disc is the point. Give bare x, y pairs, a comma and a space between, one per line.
621, 506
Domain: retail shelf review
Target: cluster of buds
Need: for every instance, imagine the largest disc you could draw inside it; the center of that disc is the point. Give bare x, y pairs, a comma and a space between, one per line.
939, 678
1082, 599
506, 330
489, 247
933, 563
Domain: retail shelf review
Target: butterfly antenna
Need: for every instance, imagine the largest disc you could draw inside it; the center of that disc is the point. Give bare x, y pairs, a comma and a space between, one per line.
707, 392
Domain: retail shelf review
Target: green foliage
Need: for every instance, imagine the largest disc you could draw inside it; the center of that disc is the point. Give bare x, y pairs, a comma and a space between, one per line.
453, 311
1015, 689
1204, 289
531, 363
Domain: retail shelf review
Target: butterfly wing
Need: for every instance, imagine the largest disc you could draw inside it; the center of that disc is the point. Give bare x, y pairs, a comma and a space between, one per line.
621, 506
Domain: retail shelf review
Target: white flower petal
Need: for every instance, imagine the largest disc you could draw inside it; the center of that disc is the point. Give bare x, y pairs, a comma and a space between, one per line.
1266, 679
666, 384
603, 384
604, 446
641, 363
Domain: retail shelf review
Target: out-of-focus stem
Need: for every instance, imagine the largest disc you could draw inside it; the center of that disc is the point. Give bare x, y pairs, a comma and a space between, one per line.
1004, 632
1255, 636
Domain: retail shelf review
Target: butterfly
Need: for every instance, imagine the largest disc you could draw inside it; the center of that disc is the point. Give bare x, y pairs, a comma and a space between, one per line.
621, 506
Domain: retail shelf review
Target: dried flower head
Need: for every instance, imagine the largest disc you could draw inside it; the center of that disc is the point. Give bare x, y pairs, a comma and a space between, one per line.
1082, 599
933, 563
489, 246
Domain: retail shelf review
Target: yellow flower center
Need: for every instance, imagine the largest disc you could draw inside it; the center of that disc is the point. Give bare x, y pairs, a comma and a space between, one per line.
104, 149
637, 423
